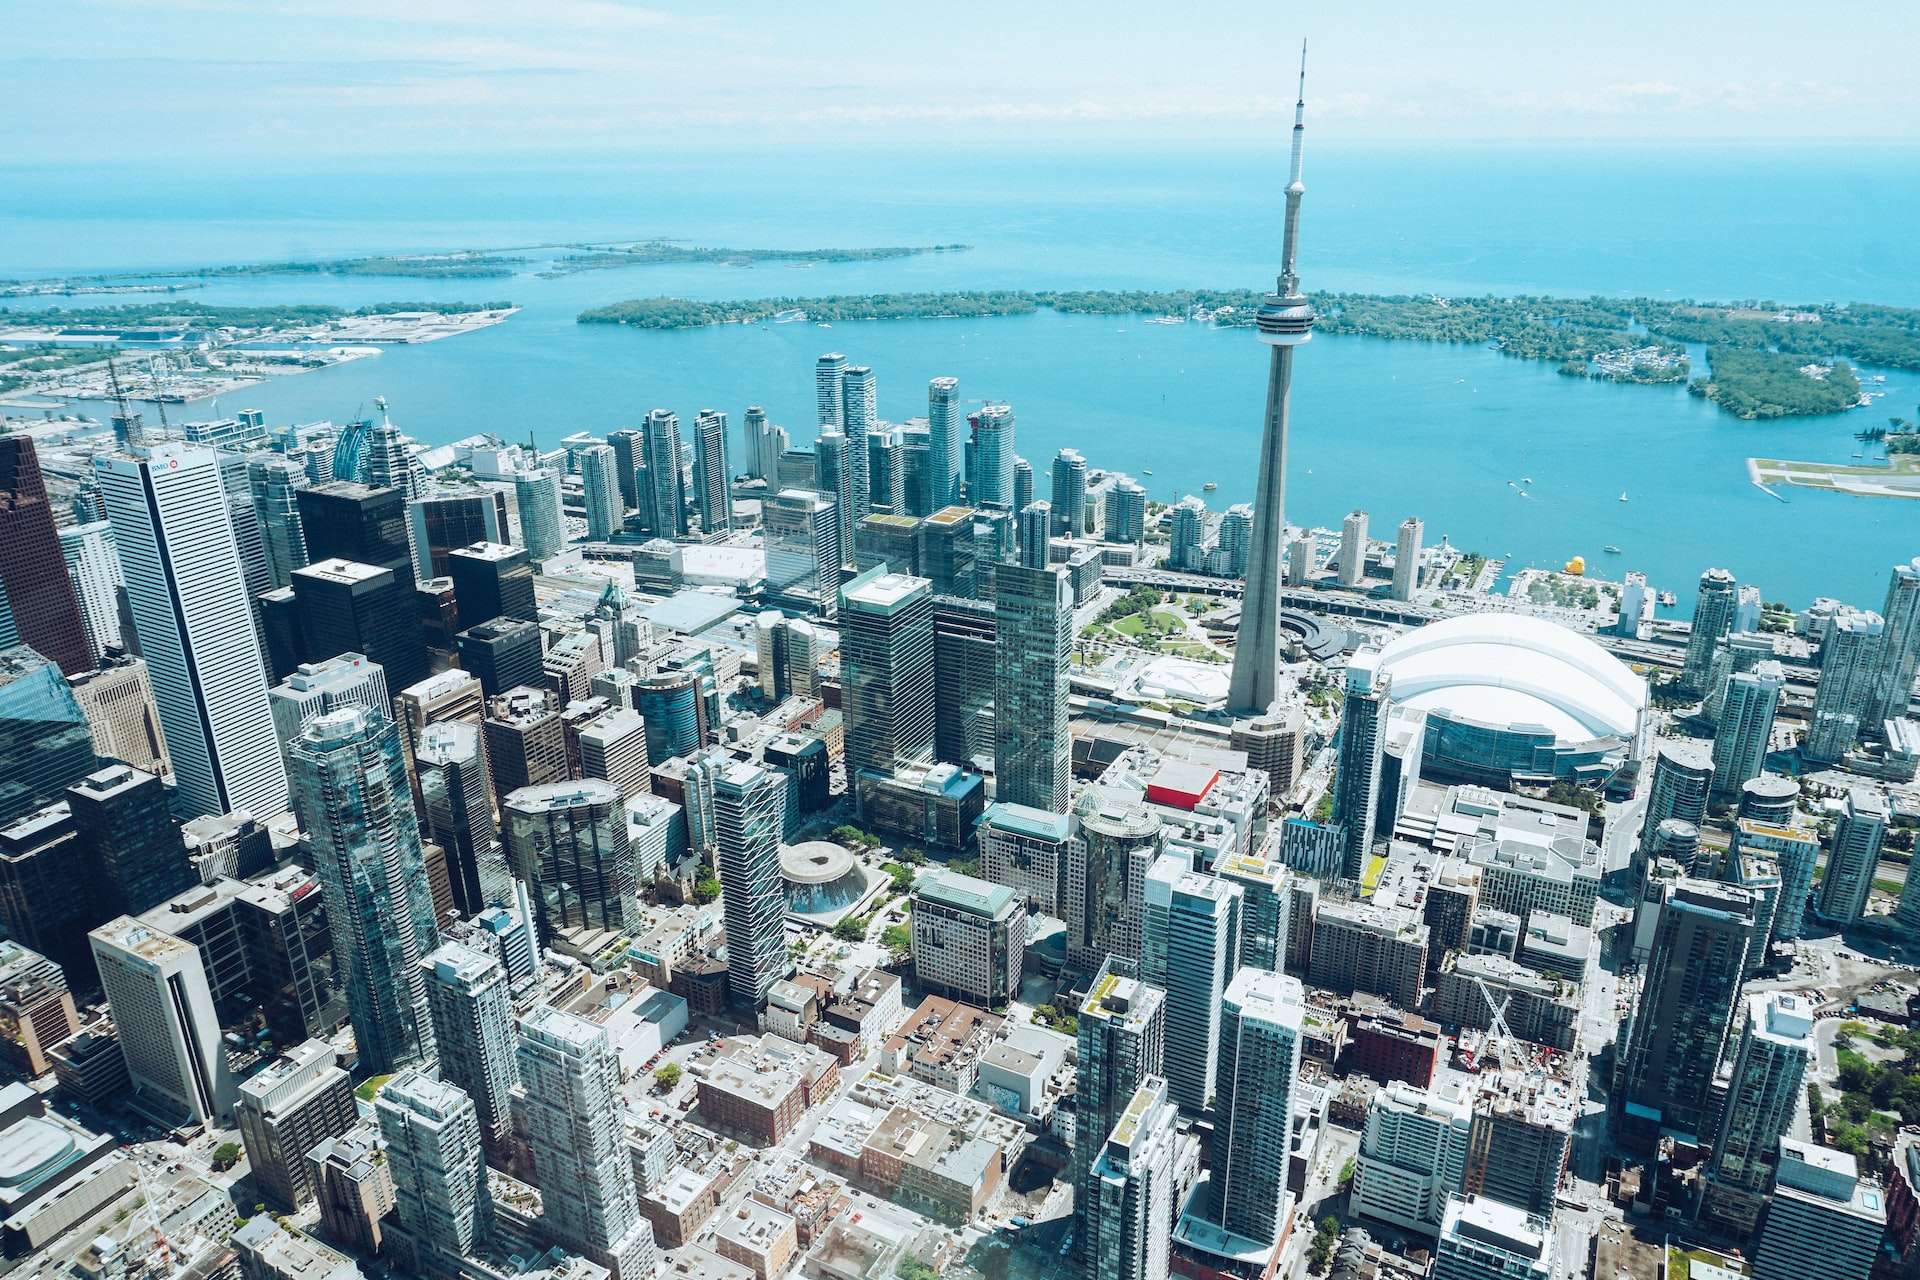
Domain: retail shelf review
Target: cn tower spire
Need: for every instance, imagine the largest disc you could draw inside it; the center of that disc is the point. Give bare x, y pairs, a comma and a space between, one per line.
1283, 322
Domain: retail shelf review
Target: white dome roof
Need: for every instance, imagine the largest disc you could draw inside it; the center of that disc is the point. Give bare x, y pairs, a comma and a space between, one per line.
1511, 669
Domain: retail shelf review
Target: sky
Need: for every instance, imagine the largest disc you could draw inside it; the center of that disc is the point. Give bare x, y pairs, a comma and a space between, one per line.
119, 80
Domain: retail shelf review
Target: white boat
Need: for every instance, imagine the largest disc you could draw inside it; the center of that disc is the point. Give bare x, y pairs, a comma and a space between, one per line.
1145, 472
1210, 486
1623, 496
1526, 479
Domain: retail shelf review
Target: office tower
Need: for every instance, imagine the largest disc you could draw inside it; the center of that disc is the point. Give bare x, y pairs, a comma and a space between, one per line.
827, 373
947, 552
946, 440
1260, 1021
1413, 1155
1356, 779
117, 701
93, 568
1746, 727
1852, 858
537, 495
1406, 560
525, 741
457, 809
1134, 1188
492, 580
568, 842
886, 659
712, 476
1126, 511
1069, 493
46, 889
1189, 948
629, 454
1823, 1220
45, 744
439, 617
968, 937
156, 988
244, 522
748, 804
387, 461
892, 541
965, 666
294, 1103
439, 1171
315, 688
278, 621
351, 793
446, 521
1686, 1005
357, 608
1848, 662
137, 859
600, 479
36, 1009
1106, 893
343, 520
1682, 780
1284, 321
502, 653
189, 603
766, 442
802, 530
450, 695
675, 714
990, 482
1712, 619
1892, 690
614, 748
33, 573
1483, 1239
1353, 549
1122, 1042
1033, 641
274, 482
568, 1108
1036, 532
470, 1000
1769, 1074
354, 1187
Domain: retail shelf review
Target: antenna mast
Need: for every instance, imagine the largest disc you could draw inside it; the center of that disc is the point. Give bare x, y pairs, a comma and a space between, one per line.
1289, 286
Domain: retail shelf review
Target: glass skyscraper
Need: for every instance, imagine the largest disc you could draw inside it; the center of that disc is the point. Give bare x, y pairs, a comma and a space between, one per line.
748, 803
1033, 638
45, 745
886, 662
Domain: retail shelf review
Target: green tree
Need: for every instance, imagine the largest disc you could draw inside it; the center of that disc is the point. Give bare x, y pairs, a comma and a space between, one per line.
913, 856
898, 939
851, 929
226, 1155
668, 1075
706, 888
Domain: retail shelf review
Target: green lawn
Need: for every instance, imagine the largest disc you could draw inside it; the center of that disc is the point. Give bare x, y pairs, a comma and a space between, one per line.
366, 1091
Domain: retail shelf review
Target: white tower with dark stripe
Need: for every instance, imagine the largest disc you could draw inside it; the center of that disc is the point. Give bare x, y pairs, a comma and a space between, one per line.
1284, 321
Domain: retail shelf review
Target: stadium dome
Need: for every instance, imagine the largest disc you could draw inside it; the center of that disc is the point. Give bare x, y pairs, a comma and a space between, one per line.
1511, 694
822, 878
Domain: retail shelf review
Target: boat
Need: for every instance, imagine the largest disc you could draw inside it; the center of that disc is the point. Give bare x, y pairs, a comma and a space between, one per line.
1526, 479
789, 316
1611, 550
1210, 486
1145, 472
1623, 495
1512, 485
1668, 598
822, 324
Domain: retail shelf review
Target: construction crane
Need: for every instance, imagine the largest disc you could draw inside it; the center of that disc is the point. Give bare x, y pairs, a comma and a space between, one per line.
126, 424
1499, 1037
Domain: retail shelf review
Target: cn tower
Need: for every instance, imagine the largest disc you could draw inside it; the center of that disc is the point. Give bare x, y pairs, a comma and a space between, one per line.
1284, 321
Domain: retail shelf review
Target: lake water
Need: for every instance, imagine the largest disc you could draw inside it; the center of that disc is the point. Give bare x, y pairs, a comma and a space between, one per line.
1392, 428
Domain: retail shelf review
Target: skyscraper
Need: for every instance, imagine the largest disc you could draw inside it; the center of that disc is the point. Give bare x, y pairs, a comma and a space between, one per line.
665, 508
472, 1011
458, 814
1712, 618
1746, 727
600, 482
117, 700
568, 842
1849, 661
1356, 778
1023, 493
568, 1107
1126, 511
1769, 1071
803, 550
1406, 559
886, 658
1284, 321
360, 608
1187, 534
1692, 980
33, 574
1853, 857
1123, 1036
491, 580
157, 990
712, 477
1036, 529
1033, 639
1353, 549
1134, 1189
1823, 1221
629, 454
1682, 779
537, 494
748, 803
315, 688
1189, 948
827, 371
439, 1174
93, 566
991, 475
343, 520
1069, 494
351, 793
137, 857
1260, 1022
298, 1101
1899, 647
275, 482
965, 666
502, 653
45, 745
190, 606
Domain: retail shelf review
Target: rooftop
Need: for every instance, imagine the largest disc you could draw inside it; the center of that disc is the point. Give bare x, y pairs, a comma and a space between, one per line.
964, 893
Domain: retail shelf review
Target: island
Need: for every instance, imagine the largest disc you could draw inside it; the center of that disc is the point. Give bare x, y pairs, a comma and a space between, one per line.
647, 253
1765, 360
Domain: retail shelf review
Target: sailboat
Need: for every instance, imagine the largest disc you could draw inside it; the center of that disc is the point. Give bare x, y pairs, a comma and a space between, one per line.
1623, 495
